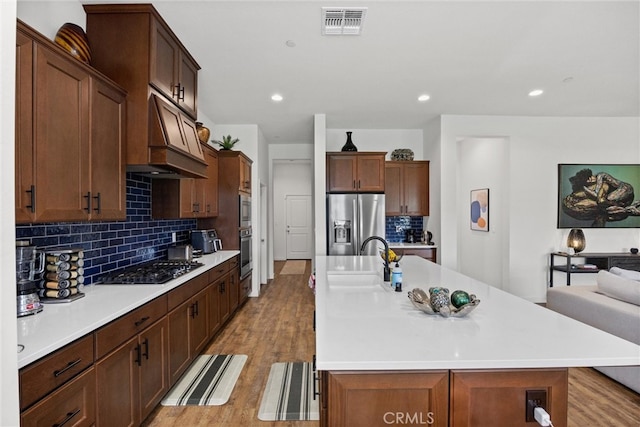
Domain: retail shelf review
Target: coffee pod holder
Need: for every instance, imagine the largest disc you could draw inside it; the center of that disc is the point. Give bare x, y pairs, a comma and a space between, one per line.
63, 277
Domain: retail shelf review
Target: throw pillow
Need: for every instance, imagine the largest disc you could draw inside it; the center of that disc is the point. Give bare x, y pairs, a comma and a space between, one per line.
618, 287
627, 274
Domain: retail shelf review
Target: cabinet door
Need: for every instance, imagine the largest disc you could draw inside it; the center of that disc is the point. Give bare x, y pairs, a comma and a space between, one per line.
72, 405
117, 380
393, 192
179, 356
373, 398
245, 175
154, 374
24, 153
61, 120
416, 188
223, 301
213, 308
198, 327
245, 288
188, 86
209, 187
341, 173
108, 163
234, 290
191, 137
164, 55
370, 172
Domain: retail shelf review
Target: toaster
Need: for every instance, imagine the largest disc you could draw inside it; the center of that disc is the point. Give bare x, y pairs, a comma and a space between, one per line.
204, 240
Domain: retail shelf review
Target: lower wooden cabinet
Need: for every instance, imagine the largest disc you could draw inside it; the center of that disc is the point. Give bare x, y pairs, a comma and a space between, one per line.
133, 378
366, 399
245, 288
426, 253
72, 405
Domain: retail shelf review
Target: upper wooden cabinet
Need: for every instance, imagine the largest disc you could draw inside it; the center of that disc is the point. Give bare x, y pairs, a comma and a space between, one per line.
70, 136
134, 46
407, 188
173, 70
187, 197
361, 172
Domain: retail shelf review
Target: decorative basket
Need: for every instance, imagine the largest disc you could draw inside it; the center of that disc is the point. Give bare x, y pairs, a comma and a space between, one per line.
402, 154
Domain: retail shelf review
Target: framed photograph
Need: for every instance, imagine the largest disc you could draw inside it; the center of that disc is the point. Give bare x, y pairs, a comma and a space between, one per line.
480, 209
598, 196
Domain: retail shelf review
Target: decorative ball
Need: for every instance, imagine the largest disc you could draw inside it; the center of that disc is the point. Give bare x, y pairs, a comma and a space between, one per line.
74, 40
460, 298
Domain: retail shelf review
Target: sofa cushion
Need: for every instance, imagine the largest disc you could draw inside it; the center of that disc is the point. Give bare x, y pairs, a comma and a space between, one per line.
618, 287
627, 274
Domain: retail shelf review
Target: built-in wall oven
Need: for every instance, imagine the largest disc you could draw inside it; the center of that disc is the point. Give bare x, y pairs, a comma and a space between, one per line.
245, 252
245, 211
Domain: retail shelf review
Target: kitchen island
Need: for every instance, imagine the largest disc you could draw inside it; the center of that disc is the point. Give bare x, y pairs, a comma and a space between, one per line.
384, 362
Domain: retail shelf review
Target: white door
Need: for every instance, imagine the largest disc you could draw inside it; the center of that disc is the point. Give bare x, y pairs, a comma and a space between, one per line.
299, 230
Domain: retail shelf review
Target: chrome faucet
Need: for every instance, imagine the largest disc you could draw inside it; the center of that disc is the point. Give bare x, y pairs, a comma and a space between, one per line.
387, 271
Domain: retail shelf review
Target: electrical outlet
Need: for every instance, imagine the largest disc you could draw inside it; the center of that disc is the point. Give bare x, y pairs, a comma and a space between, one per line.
173, 237
535, 398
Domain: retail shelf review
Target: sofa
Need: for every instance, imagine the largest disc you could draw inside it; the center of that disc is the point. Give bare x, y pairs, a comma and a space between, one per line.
612, 305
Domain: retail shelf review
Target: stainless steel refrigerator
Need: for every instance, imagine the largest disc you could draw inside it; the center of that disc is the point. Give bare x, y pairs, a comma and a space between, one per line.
351, 218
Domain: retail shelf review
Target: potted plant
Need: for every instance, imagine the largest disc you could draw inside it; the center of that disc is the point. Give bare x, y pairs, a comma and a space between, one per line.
227, 142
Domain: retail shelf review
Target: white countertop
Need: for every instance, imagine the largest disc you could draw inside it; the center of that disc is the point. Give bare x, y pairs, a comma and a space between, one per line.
59, 324
361, 329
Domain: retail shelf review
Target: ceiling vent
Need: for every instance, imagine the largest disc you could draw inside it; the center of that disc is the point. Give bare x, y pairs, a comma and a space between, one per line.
343, 21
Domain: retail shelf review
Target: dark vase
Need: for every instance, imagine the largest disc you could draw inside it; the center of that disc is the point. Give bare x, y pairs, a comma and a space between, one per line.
349, 146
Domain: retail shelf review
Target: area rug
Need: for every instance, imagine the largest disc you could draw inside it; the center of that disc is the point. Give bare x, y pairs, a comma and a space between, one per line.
288, 394
208, 381
294, 267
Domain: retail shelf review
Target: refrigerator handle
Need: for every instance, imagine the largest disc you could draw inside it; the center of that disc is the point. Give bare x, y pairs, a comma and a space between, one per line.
356, 223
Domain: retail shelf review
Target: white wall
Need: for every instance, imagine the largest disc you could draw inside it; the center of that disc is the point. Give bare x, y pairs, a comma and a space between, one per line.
536, 146
378, 140
432, 152
320, 182
9, 412
48, 16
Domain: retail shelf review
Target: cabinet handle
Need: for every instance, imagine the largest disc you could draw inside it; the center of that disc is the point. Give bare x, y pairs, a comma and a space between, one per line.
195, 309
88, 197
141, 321
32, 196
208, 208
316, 392
221, 287
178, 92
67, 419
66, 368
138, 355
98, 203
354, 184
358, 184
146, 348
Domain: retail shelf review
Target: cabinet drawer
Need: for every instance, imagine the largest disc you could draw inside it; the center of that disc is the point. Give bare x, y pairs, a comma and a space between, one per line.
73, 405
185, 291
628, 262
234, 263
40, 378
123, 328
218, 271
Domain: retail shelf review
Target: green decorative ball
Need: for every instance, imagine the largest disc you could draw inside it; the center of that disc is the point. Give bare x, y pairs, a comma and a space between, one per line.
460, 298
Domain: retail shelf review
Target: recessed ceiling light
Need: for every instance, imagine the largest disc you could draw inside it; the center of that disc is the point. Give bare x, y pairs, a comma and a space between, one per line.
276, 97
536, 92
424, 98
290, 43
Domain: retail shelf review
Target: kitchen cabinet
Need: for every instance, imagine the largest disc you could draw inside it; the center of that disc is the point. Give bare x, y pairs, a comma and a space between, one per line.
188, 328
367, 398
69, 130
245, 288
72, 405
407, 188
131, 366
234, 178
188, 197
361, 172
160, 77
426, 253
173, 71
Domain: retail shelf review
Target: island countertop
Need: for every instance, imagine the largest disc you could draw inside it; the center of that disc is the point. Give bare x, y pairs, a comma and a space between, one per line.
365, 329
60, 324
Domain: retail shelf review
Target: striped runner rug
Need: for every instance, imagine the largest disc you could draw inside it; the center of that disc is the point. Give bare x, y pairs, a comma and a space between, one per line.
288, 394
208, 381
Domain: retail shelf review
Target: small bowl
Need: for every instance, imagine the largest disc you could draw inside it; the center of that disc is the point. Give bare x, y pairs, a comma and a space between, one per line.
416, 297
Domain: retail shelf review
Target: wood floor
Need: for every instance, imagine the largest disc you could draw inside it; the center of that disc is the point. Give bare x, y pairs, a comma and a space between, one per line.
278, 327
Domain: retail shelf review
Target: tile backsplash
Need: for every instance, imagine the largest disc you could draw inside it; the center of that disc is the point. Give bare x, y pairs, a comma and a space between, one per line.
113, 245
395, 227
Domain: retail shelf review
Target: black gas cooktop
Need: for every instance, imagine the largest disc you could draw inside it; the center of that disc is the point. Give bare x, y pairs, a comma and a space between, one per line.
153, 272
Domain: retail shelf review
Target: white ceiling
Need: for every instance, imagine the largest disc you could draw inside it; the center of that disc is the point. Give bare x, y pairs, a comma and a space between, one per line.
474, 57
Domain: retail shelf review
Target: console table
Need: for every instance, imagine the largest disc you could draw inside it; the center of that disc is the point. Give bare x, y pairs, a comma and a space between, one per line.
603, 261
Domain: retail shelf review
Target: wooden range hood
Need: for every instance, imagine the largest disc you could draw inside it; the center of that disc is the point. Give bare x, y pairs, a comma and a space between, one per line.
173, 149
